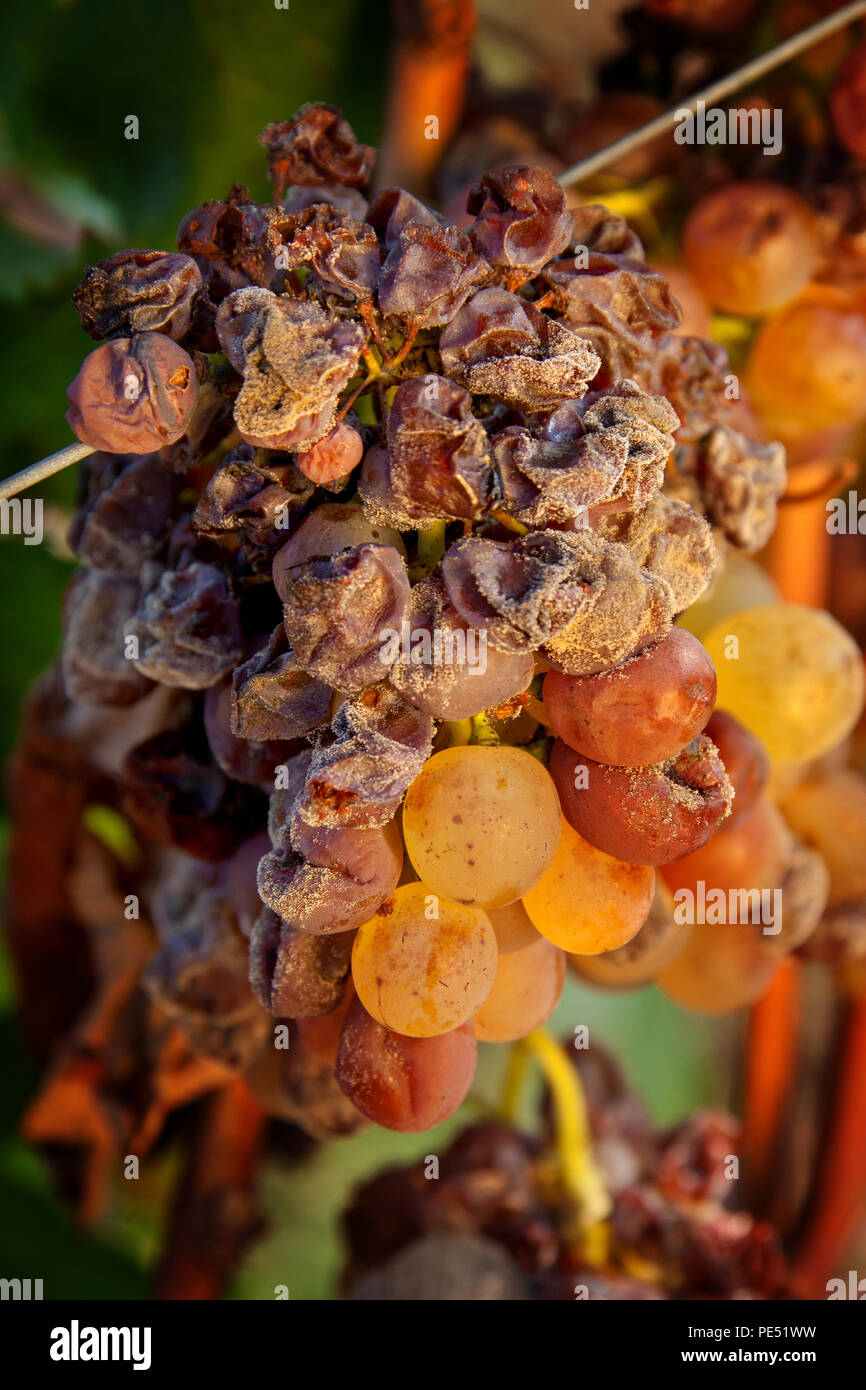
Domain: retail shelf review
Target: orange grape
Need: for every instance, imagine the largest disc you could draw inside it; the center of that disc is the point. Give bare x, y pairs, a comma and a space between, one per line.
658, 942
587, 901
526, 990
807, 368
424, 965
829, 813
721, 968
512, 926
751, 246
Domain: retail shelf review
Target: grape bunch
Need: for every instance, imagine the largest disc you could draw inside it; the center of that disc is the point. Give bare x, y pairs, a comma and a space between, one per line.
491, 1227
384, 544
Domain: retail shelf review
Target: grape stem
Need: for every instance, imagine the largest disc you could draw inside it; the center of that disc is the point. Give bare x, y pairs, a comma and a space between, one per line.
509, 522
431, 547
483, 731
459, 732
578, 1171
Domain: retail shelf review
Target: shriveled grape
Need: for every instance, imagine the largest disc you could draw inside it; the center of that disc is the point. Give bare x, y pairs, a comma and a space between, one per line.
647, 815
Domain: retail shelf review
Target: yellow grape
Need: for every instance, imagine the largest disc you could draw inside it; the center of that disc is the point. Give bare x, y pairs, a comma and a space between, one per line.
743, 583
424, 965
512, 926
793, 676
722, 968
481, 823
528, 981
588, 901
807, 368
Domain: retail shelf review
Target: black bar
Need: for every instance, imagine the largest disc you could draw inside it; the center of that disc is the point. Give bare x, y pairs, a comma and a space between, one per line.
257, 1338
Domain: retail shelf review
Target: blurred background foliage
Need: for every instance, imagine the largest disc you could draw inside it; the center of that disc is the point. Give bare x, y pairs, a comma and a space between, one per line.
203, 78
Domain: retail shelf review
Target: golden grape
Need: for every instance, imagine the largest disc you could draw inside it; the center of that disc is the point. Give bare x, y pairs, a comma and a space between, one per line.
527, 987
481, 824
587, 901
793, 676
424, 965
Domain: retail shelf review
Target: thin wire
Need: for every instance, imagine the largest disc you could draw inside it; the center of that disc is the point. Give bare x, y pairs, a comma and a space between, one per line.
44, 468
749, 72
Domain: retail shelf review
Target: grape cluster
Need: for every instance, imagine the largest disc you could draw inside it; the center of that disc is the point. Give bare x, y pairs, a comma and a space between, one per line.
490, 1228
395, 513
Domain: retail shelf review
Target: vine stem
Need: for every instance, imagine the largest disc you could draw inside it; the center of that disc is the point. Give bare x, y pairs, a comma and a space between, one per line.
840, 1189
580, 1176
429, 69
431, 546
213, 1213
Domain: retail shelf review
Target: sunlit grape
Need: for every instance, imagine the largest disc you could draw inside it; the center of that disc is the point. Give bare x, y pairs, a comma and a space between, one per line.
829, 813
807, 368
721, 968
482, 824
526, 990
751, 246
643, 711
793, 675
745, 759
742, 583
657, 943
423, 965
587, 901
514, 930
750, 854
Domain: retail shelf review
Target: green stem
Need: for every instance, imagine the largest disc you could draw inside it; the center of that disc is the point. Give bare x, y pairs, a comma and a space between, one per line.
431, 547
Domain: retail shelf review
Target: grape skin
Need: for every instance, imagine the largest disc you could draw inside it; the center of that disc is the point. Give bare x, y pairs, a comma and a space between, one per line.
795, 678
721, 968
423, 965
525, 992
655, 946
644, 711
751, 246
482, 824
406, 1084
587, 901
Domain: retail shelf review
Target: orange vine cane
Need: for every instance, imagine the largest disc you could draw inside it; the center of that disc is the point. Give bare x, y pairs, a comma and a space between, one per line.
429, 68
798, 558
840, 1190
